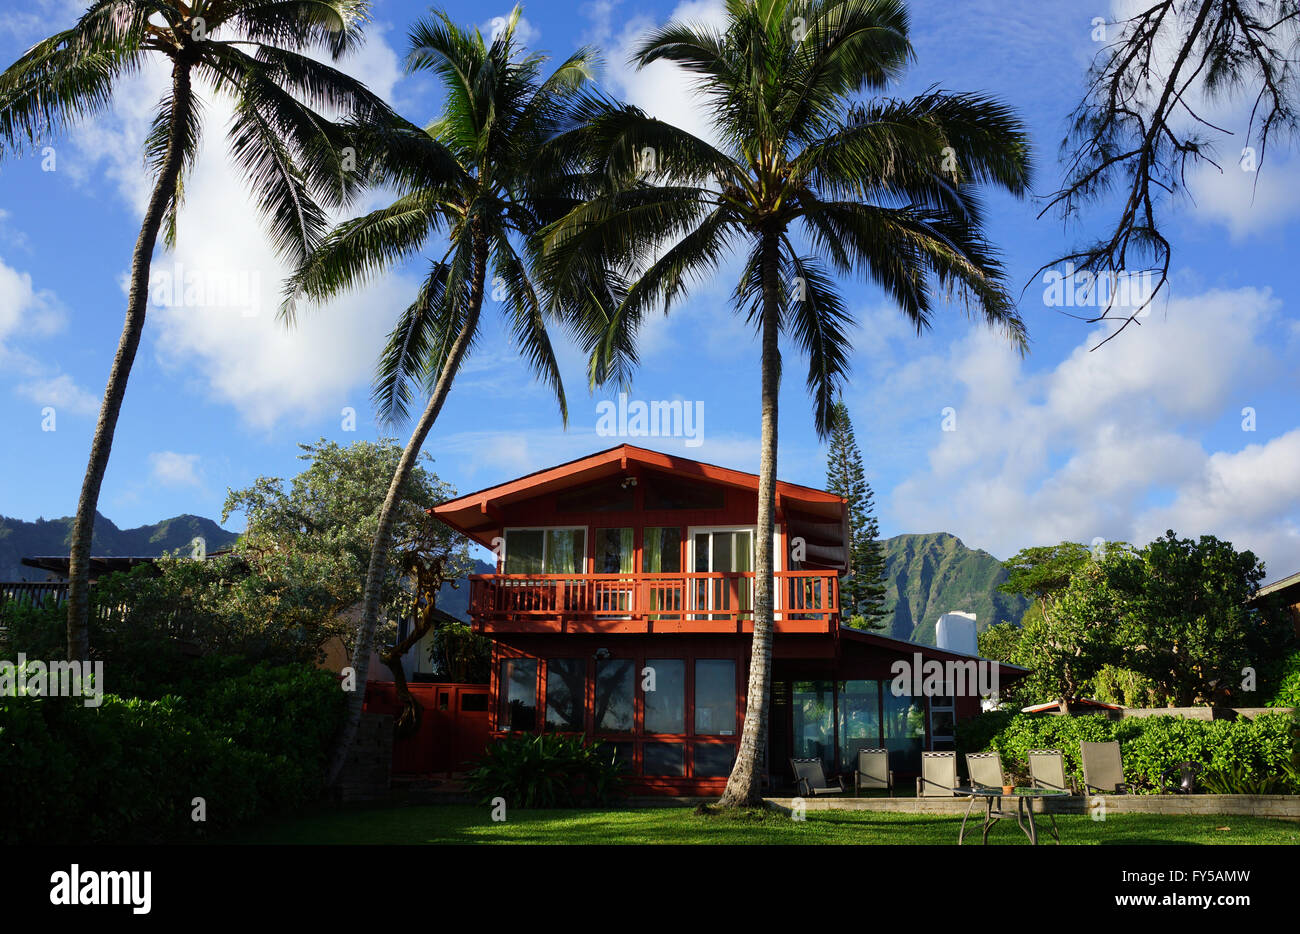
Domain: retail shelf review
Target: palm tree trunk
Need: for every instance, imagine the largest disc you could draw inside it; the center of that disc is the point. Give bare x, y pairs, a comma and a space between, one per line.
137, 302
387, 514
744, 785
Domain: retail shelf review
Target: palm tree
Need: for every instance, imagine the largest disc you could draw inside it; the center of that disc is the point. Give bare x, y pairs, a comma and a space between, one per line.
472, 177
250, 52
809, 182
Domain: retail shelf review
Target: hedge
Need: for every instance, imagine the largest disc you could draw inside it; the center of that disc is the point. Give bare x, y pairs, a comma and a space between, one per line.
129, 770
1255, 748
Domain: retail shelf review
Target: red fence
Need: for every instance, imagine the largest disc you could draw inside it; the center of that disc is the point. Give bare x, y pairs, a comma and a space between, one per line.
453, 726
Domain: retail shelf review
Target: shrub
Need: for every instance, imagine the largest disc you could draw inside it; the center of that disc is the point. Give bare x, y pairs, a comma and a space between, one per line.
250, 745
1252, 749
546, 771
1288, 691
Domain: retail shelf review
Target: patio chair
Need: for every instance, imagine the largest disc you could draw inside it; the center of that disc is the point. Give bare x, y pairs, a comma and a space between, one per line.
873, 771
938, 775
984, 769
1103, 771
810, 779
1047, 770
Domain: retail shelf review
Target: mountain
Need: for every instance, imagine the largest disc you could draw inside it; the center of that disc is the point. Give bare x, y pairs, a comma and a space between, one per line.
19, 539
929, 575
456, 601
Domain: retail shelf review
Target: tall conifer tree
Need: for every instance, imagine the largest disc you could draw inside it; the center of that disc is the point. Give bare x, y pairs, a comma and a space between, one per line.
862, 590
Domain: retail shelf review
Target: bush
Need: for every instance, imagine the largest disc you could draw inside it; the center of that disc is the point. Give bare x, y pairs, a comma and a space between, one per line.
128, 771
1252, 749
1288, 691
546, 771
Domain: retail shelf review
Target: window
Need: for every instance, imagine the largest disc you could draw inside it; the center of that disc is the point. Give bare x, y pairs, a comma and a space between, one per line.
814, 727
618, 752
613, 551
614, 495
566, 693
714, 760
614, 683
665, 706
518, 691
943, 719
663, 759
904, 731
661, 551
664, 492
546, 551
715, 697
859, 720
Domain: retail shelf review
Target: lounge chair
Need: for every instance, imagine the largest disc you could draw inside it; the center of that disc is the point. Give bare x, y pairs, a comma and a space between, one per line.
810, 779
1103, 770
873, 771
938, 775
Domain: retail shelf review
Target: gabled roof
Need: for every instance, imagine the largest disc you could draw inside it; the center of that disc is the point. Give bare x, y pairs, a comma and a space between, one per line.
472, 513
1284, 584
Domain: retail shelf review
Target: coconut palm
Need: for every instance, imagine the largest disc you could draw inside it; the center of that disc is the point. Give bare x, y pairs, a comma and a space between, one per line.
808, 182
470, 181
252, 53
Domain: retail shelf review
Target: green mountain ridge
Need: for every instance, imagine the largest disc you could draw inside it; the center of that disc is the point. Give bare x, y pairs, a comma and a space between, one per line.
935, 573
20, 539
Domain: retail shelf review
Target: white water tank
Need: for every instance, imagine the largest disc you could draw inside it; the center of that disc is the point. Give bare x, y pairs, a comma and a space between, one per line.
955, 632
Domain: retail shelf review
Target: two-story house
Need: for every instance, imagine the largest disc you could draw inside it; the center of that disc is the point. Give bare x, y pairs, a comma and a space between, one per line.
622, 610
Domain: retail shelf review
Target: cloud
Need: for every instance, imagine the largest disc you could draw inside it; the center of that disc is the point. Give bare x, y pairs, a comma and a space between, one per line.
60, 392
1248, 203
1121, 443
214, 300
526, 34
172, 469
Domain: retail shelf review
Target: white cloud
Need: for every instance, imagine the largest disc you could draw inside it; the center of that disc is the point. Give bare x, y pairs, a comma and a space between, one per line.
1247, 203
61, 392
172, 469
235, 349
526, 34
1119, 442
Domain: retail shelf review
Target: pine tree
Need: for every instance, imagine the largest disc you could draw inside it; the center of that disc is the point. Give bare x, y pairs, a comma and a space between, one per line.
862, 589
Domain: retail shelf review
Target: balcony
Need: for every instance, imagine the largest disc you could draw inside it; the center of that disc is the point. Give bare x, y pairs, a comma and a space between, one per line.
807, 602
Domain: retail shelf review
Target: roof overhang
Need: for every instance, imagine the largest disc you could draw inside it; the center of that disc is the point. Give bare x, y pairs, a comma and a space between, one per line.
478, 514
905, 649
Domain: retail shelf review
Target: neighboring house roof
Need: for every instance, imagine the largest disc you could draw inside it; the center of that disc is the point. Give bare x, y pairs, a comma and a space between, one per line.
1282, 586
1081, 702
815, 514
904, 647
99, 565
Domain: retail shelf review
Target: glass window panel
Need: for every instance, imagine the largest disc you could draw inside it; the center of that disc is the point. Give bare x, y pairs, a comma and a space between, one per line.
565, 551
613, 551
715, 696
566, 692
859, 720
618, 752
662, 551
665, 706
714, 760
904, 731
813, 705
614, 684
663, 759
524, 551
518, 691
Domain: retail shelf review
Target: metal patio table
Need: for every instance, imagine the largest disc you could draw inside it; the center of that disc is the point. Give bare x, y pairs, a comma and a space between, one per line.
1024, 809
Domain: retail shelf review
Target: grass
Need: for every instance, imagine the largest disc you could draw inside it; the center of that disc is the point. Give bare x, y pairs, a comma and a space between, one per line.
447, 823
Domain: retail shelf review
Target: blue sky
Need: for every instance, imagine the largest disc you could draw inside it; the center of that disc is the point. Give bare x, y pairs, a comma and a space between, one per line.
1145, 434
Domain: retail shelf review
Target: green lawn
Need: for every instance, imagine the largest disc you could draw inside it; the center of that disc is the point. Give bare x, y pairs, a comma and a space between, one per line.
444, 823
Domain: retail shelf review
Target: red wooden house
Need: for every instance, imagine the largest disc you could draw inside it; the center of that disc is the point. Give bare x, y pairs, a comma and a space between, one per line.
621, 609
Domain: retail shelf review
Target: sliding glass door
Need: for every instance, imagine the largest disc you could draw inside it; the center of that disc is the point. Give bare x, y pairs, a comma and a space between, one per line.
723, 551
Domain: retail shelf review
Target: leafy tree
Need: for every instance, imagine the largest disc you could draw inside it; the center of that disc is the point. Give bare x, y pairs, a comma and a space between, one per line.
1187, 623
862, 590
251, 52
475, 176
1142, 122
1042, 572
806, 182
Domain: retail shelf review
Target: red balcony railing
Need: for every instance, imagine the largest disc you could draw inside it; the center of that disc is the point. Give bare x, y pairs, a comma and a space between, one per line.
677, 599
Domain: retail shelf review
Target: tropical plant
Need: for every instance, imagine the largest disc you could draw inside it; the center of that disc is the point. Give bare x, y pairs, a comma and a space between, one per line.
470, 176
546, 771
806, 182
252, 53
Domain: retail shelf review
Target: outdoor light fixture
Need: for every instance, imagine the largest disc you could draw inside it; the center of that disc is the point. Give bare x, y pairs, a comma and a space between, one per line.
629, 482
